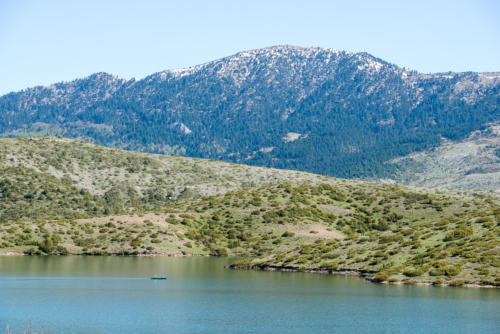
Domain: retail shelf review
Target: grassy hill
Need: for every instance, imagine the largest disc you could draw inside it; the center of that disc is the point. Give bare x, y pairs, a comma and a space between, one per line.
37, 175
473, 163
62, 196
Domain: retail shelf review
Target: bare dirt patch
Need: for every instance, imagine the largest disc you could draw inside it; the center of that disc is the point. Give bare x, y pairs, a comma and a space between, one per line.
313, 231
340, 210
11, 253
130, 219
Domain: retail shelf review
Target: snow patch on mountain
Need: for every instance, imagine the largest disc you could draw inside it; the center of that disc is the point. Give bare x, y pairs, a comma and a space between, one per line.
266, 149
291, 136
181, 127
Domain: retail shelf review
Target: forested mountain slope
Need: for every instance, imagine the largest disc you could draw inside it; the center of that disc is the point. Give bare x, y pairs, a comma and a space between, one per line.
320, 110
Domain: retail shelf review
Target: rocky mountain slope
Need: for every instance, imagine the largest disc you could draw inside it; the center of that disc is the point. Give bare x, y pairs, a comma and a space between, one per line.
320, 110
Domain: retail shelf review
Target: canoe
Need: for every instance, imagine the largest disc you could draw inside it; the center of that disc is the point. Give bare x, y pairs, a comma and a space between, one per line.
161, 278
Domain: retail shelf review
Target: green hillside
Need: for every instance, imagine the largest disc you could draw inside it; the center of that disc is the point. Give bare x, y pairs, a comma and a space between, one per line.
60, 196
473, 163
44, 175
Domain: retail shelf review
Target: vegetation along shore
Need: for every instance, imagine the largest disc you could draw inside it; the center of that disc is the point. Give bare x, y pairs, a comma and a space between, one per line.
61, 196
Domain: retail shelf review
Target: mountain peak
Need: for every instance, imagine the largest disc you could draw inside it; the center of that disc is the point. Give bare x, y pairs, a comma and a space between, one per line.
288, 48
260, 53
102, 76
352, 112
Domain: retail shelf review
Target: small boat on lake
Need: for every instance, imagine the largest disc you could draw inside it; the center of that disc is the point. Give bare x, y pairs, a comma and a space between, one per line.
159, 278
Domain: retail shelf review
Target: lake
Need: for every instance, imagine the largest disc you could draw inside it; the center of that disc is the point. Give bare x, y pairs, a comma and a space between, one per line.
76, 294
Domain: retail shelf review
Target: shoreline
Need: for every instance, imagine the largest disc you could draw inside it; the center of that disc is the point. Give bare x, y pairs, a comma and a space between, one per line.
13, 254
354, 272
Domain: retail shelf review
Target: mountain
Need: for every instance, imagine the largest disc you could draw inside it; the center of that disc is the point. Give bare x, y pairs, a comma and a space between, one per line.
61, 196
312, 109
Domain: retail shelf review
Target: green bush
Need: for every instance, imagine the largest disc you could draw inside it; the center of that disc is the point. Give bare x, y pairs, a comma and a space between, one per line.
459, 233
136, 243
457, 283
489, 282
482, 220
61, 250
413, 272
330, 265
46, 246
381, 277
452, 271
221, 251
436, 272
384, 239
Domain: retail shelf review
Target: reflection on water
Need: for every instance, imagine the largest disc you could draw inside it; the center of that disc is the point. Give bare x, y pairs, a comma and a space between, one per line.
115, 295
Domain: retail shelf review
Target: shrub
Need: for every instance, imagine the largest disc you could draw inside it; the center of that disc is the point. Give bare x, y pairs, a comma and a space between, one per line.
413, 272
459, 233
436, 272
330, 265
384, 239
381, 226
483, 220
135, 242
380, 277
220, 252
61, 250
302, 260
457, 283
452, 271
483, 271
489, 282
46, 245
33, 251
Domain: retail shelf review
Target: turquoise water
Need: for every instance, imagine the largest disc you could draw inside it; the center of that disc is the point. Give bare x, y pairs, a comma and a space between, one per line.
115, 295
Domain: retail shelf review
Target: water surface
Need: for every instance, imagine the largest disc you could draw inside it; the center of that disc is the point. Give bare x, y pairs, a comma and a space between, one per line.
76, 294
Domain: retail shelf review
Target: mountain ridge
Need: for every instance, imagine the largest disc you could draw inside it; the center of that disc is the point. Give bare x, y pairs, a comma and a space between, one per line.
373, 62
494, 75
352, 112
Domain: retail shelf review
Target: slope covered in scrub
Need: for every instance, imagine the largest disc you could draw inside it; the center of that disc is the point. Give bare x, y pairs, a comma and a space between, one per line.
70, 197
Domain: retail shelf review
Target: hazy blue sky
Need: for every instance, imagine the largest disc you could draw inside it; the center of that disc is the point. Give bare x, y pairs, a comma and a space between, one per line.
48, 41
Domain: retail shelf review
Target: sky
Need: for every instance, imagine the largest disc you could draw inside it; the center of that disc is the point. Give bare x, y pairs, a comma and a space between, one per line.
43, 42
